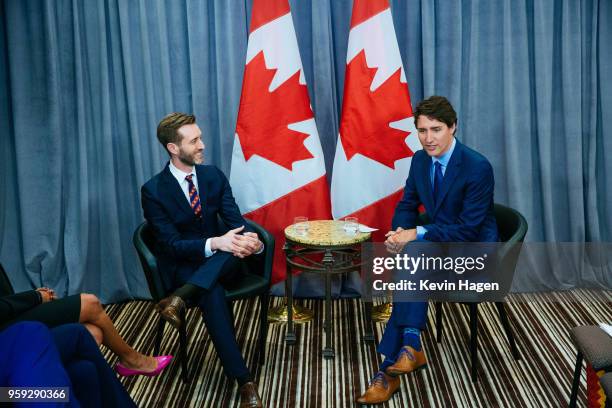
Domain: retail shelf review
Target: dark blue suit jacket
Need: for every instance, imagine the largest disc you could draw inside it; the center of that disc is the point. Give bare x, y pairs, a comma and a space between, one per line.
180, 235
465, 210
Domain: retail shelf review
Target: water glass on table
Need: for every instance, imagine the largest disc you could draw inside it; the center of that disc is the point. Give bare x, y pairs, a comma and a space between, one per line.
351, 226
300, 224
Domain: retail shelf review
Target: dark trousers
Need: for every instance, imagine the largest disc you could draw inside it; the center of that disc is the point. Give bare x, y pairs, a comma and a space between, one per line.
95, 383
219, 322
404, 314
29, 358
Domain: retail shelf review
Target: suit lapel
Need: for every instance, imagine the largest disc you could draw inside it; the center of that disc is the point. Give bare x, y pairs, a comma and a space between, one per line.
202, 185
452, 170
428, 200
172, 188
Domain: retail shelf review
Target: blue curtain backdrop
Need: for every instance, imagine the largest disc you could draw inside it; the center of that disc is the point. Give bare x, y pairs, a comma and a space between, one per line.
84, 83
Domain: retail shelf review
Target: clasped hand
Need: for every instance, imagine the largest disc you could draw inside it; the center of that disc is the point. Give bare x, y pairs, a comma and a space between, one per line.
397, 240
47, 294
240, 245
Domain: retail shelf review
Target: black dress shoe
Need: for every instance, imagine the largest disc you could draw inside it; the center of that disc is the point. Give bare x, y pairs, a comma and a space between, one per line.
171, 309
249, 397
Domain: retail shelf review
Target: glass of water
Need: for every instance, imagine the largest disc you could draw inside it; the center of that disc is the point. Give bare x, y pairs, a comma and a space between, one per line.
351, 226
300, 224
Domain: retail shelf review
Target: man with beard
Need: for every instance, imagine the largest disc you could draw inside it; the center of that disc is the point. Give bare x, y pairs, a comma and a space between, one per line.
182, 204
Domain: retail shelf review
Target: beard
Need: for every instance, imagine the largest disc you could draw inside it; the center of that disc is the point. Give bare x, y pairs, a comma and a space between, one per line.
191, 159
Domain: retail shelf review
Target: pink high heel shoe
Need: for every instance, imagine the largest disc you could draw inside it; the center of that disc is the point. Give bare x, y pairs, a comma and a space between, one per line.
162, 362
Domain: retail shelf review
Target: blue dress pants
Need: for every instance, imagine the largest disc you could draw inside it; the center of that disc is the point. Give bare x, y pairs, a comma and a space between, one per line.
29, 358
403, 314
220, 324
94, 381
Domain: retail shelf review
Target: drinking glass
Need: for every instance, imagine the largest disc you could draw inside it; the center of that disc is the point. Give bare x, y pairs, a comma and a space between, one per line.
351, 226
300, 224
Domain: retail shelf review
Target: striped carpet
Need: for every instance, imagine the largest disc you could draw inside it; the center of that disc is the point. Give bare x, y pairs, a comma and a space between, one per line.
298, 376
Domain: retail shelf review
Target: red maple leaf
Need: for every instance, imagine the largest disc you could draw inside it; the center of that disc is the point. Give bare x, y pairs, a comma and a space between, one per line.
366, 115
263, 116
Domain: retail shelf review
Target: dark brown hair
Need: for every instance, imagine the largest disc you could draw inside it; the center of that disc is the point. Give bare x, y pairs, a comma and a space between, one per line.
167, 130
438, 108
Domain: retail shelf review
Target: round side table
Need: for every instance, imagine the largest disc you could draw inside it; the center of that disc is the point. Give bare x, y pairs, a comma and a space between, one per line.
327, 249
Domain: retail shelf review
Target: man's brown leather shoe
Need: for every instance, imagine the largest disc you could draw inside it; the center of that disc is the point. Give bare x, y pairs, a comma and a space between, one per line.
381, 388
170, 309
408, 360
249, 397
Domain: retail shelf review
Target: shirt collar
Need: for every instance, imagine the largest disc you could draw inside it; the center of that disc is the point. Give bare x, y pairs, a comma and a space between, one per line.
179, 174
445, 158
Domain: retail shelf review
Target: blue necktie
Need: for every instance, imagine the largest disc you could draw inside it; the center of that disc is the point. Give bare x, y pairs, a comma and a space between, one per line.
437, 181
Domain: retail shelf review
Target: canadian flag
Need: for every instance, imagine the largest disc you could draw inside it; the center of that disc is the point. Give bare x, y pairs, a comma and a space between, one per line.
278, 171
377, 136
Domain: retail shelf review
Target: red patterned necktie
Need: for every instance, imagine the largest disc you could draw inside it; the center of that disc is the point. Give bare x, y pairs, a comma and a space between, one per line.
194, 198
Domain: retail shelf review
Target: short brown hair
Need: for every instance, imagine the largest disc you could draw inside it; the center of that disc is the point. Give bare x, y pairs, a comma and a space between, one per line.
167, 130
438, 108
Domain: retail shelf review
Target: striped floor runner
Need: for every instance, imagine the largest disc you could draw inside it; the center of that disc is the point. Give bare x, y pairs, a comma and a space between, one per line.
298, 376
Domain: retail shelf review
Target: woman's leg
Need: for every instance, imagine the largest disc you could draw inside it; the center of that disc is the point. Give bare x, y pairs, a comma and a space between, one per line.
77, 348
93, 313
96, 332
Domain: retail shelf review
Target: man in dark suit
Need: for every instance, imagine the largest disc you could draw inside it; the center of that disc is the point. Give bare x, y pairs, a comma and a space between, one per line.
182, 204
455, 185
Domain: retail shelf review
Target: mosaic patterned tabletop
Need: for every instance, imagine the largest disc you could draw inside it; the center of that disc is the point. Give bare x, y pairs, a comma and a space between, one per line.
324, 233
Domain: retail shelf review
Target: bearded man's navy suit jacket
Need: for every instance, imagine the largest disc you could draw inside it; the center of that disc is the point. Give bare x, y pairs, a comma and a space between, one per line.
181, 235
463, 213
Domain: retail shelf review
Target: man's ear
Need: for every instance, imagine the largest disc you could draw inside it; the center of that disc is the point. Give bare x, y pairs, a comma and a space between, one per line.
172, 148
454, 128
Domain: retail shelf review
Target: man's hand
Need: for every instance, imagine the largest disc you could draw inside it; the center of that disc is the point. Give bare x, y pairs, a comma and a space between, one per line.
397, 240
398, 229
228, 242
239, 245
388, 243
46, 294
254, 239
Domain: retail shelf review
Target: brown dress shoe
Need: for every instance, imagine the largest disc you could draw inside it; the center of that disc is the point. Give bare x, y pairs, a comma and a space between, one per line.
408, 360
170, 309
249, 397
381, 389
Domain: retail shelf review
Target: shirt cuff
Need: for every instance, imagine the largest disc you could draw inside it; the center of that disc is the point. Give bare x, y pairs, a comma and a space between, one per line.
421, 231
208, 252
261, 249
